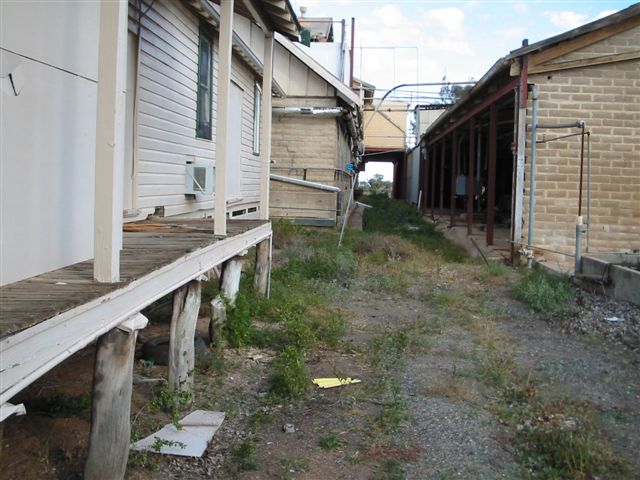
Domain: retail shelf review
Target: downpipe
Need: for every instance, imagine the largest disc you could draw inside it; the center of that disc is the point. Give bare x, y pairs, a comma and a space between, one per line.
532, 173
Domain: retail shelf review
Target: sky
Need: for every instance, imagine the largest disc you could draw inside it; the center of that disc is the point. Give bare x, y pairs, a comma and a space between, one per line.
459, 40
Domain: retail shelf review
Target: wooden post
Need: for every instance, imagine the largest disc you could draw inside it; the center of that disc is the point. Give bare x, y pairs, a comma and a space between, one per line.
261, 276
186, 304
266, 113
222, 115
109, 160
112, 385
491, 200
217, 320
470, 182
231, 273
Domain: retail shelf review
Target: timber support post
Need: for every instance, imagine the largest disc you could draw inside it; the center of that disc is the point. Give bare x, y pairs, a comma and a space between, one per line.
231, 272
112, 386
186, 305
263, 265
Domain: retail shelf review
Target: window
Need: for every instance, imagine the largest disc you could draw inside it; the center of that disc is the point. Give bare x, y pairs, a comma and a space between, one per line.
205, 86
257, 105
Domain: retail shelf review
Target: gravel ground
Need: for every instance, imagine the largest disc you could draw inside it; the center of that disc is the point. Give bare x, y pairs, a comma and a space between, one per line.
617, 321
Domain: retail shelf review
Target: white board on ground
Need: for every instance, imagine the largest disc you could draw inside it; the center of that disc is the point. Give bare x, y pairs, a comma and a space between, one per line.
191, 440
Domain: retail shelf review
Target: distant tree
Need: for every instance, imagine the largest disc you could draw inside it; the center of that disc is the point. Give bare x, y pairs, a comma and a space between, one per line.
452, 93
379, 186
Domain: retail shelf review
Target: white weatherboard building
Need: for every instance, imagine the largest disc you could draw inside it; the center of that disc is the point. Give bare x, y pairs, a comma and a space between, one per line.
121, 182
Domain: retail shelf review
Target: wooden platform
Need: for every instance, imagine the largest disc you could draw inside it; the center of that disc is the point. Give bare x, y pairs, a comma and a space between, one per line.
46, 318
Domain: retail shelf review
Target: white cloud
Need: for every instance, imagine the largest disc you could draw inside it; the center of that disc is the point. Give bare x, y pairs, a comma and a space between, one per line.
566, 19
450, 19
511, 32
604, 13
521, 7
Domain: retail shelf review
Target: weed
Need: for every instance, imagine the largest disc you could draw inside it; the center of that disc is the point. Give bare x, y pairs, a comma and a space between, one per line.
212, 362
398, 218
61, 405
546, 294
390, 470
238, 327
284, 232
289, 377
497, 367
158, 443
293, 465
172, 402
330, 442
244, 455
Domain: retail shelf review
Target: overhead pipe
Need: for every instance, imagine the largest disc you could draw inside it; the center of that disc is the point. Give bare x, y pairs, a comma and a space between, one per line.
313, 111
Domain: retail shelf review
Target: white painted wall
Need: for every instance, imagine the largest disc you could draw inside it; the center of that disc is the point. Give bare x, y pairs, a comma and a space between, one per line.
167, 114
48, 136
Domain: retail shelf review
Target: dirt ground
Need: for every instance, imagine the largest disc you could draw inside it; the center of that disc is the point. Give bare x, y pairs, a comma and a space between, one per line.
436, 350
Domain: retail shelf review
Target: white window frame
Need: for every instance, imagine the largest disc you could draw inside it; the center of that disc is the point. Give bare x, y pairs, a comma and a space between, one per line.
257, 107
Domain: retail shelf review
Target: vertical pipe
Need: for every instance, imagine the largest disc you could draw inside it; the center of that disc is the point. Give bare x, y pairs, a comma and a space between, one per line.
470, 176
578, 255
442, 160
343, 37
454, 173
588, 187
353, 38
491, 200
532, 172
514, 173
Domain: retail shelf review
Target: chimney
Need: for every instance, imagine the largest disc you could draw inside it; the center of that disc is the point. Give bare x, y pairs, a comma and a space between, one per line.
303, 11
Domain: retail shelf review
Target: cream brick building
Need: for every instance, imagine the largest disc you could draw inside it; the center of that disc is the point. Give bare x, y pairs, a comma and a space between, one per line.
316, 133
483, 144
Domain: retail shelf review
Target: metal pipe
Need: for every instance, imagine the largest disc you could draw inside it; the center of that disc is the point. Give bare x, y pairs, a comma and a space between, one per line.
304, 183
578, 256
346, 215
532, 173
588, 187
353, 39
343, 36
314, 111
576, 124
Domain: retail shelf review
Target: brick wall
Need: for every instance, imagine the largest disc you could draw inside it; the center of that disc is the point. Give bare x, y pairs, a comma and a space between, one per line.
607, 98
317, 143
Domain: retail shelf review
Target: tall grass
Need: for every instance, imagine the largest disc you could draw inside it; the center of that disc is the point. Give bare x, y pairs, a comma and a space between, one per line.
548, 295
398, 218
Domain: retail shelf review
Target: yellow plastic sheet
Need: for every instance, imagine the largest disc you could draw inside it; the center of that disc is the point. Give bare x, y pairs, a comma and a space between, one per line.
334, 382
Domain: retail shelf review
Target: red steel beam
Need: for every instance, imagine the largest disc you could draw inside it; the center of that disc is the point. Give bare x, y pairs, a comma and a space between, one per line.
433, 183
491, 200
494, 97
442, 160
454, 173
470, 175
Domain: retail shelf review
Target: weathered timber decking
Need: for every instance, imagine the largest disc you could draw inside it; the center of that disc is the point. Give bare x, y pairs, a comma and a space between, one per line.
154, 245
46, 318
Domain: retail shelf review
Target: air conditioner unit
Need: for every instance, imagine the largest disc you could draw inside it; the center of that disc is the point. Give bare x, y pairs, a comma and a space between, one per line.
198, 179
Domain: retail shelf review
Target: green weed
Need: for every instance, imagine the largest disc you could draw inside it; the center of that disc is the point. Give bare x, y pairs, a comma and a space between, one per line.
244, 455
546, 294
172, 402
330, 442
289, 378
